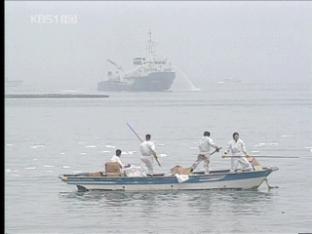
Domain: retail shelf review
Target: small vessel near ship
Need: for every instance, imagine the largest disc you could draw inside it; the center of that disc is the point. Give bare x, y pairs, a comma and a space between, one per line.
151, 73
12, 83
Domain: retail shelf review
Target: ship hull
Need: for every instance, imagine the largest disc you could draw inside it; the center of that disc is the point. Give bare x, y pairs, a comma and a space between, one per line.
154, 81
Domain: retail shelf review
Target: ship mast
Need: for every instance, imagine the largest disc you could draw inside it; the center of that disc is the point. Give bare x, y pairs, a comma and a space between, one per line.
150, 47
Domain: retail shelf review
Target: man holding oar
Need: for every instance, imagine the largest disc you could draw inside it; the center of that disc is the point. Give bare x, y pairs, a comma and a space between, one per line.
148, 151
205, 144
238, 154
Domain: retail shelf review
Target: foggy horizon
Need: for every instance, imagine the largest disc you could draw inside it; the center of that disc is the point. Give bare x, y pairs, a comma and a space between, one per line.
253, 42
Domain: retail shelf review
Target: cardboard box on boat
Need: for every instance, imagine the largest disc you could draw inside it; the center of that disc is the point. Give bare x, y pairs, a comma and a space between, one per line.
112, 169
98, 173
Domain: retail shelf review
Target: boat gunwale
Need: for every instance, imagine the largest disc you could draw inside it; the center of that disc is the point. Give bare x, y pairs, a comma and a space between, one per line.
72, 178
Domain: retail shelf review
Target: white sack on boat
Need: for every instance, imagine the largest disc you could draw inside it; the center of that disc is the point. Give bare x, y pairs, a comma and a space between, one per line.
181, 178
134, 171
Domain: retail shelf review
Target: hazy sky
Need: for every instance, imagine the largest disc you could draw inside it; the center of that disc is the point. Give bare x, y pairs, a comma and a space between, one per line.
209, 41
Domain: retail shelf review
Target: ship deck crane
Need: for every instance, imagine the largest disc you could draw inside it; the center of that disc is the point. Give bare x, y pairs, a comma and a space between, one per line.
115, 65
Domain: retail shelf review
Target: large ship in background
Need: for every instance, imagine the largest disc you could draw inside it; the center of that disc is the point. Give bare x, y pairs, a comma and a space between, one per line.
151, 73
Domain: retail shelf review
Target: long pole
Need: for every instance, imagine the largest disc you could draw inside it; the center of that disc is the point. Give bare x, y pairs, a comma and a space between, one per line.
216, 150
259, 156
141, 140
134, 132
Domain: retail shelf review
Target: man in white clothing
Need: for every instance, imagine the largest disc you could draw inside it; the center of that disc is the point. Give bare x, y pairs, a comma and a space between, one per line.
205, 145
238, 152
147, 149
116, 158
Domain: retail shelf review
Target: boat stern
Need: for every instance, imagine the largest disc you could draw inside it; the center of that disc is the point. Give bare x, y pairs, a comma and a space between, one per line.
274, 168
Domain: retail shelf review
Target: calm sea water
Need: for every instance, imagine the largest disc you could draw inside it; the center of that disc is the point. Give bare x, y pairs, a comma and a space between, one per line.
46, 138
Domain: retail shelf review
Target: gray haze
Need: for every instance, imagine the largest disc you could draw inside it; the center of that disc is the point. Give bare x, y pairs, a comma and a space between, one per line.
210, 41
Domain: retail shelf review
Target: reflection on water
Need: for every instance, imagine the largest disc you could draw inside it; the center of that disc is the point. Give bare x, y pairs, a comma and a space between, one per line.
120, 197
236, 201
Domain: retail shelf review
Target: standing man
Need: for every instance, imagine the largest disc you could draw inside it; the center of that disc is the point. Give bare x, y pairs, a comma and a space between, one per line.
238, 152
205, 145
147, 149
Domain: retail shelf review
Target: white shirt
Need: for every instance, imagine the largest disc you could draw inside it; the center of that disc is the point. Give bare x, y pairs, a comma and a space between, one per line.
147, 148
236, 148
205, 145
115, 158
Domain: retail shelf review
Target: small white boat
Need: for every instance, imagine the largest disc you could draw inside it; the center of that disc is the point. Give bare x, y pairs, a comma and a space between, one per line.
219, 179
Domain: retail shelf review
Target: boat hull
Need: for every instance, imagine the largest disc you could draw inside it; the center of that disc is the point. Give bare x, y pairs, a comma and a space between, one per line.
217, 180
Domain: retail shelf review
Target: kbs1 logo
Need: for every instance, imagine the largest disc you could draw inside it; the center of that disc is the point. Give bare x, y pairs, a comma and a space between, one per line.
54, 19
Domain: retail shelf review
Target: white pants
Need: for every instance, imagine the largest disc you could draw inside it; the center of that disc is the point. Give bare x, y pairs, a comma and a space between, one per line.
200, 158
242, 162
148, 162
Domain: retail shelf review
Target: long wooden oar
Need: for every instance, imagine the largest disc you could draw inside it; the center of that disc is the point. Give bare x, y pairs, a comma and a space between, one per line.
216, 150
140, 139
258, 156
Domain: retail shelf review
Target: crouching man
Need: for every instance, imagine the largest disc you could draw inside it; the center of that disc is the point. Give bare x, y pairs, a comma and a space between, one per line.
116, 158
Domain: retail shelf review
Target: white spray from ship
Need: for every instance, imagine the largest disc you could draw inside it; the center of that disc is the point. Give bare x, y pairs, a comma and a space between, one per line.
190, 84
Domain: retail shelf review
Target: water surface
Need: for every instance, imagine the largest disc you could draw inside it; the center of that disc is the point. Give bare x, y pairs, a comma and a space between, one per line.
45, 138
